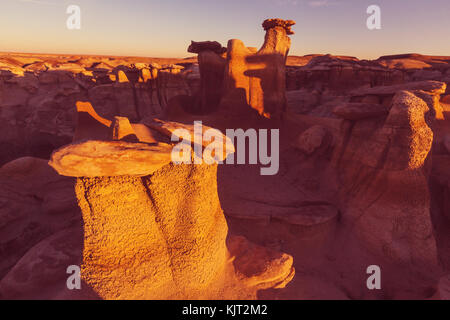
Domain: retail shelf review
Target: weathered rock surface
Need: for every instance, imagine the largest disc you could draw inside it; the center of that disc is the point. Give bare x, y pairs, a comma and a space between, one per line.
273, 23
275, 273
444, 288
312, 139
382, 167
41, 272
156, 230
35, 202
446, 142
309, 216
37, 97
158, 246
323, 78
38, 92
441, 175
212, 69
165, 238
257, 80
110, 158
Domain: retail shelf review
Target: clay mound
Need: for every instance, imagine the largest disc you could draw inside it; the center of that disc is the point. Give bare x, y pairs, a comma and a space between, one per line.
384, 178
247, 79
35, 203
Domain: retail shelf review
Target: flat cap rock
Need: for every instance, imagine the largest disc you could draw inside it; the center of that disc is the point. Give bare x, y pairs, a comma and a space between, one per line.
199, 46
110, 158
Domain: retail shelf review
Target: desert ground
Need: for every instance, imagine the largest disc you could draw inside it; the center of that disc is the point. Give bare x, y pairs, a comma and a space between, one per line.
87, 179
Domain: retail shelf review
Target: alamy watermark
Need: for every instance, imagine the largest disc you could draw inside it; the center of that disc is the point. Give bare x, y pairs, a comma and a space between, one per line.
258, 147
374, 281
374, 20
73, 282
74, 20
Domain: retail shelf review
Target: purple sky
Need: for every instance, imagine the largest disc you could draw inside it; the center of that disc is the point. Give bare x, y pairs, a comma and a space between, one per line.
164, 28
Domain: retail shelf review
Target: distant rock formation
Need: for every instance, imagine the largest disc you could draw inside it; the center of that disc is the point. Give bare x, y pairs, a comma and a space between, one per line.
245, 80
258, 80
38, 97
212, 68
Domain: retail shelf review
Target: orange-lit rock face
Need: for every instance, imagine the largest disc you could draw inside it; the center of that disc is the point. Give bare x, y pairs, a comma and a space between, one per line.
257, 80
155, 237
164, 237
110, 158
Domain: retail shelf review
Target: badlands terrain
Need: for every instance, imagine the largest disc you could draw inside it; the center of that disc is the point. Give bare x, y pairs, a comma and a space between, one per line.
86, 177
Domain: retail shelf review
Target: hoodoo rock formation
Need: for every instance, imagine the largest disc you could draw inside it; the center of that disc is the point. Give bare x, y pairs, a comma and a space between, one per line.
258, 79
156, 230
245, 79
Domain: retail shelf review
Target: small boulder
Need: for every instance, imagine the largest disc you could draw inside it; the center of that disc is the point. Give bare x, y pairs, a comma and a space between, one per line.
311, 139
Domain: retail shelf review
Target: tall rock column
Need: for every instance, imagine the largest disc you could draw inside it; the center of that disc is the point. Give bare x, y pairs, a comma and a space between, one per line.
212, 67
257, 80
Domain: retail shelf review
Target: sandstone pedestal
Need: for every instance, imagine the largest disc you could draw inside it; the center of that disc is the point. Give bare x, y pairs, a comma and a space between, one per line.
156, 230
